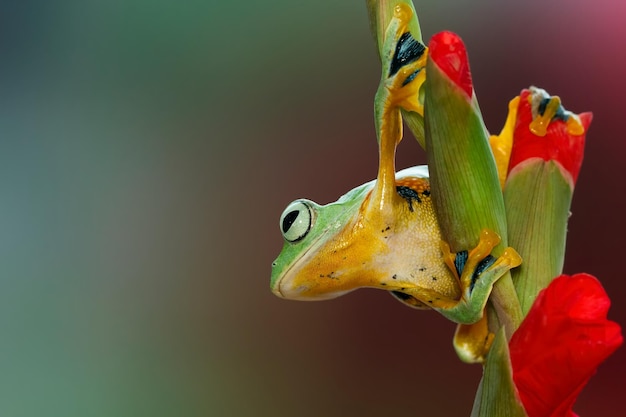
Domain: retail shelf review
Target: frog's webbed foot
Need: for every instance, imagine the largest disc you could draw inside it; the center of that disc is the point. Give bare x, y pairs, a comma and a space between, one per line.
477, 271
545, 109
472, 341
403, 65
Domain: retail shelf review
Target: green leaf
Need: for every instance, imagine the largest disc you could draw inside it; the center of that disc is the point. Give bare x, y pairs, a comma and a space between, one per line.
497, 395
463, 174
415, 123
464, 179
537, 199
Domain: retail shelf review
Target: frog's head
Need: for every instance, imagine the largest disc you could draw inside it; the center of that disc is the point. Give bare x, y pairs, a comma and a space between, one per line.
356, 241
307, 267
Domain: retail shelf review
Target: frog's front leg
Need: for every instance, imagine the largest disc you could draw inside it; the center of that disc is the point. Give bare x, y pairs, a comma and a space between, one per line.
403, 73
403, 68
476, 271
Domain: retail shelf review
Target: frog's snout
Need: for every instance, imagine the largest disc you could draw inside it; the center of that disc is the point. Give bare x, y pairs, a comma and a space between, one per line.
286, 287
283, 288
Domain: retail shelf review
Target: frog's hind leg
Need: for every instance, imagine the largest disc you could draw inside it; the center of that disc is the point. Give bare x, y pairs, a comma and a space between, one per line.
403, 66
477, 271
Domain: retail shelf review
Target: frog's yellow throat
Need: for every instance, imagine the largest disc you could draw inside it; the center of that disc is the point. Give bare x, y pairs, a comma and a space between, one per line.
370, 251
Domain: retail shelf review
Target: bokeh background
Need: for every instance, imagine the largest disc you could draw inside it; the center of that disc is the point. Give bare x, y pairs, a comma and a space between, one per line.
147, 149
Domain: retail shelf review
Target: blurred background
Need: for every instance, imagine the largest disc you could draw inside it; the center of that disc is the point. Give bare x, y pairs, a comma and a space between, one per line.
147, 150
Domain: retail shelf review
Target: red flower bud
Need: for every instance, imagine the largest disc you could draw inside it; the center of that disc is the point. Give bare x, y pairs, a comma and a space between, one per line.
559, 345
447, 50
544, 129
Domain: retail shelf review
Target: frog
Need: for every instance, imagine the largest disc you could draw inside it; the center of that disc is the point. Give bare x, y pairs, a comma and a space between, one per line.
384, 234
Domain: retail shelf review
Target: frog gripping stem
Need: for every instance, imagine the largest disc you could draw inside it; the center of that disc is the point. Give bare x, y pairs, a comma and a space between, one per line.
476, 272
402, 76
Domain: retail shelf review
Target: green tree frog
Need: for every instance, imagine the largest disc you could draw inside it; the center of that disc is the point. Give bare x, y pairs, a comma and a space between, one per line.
384, 234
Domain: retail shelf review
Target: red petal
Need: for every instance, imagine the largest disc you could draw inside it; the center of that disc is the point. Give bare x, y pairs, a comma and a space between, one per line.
446, 49
557, 145
558, 347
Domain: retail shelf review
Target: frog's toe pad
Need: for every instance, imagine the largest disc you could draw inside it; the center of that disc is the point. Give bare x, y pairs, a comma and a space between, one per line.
472, 341
471, 266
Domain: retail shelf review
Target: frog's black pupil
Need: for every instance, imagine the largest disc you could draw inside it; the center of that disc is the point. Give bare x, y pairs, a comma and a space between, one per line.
289, 219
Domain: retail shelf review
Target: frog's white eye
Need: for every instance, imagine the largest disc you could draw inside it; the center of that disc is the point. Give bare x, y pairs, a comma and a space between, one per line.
296, 220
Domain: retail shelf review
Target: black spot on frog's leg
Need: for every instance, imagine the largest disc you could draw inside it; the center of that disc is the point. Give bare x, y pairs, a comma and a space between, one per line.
482, 265
411, 77
409, 195
459, 261
561, 113
407, 50
542, 105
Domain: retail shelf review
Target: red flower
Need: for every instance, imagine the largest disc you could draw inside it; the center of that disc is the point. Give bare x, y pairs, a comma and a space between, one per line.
544, 129
558, 347
446, 49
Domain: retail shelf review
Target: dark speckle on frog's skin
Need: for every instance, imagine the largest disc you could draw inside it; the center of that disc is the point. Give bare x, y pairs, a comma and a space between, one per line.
402, 296
409, 195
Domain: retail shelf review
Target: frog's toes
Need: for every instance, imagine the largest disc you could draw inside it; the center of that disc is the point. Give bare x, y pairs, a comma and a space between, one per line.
404, 66
407, 73
477, 271
546, 108
472, 341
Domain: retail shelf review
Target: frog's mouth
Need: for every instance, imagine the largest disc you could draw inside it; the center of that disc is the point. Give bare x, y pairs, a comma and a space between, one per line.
291, 285
283, 284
